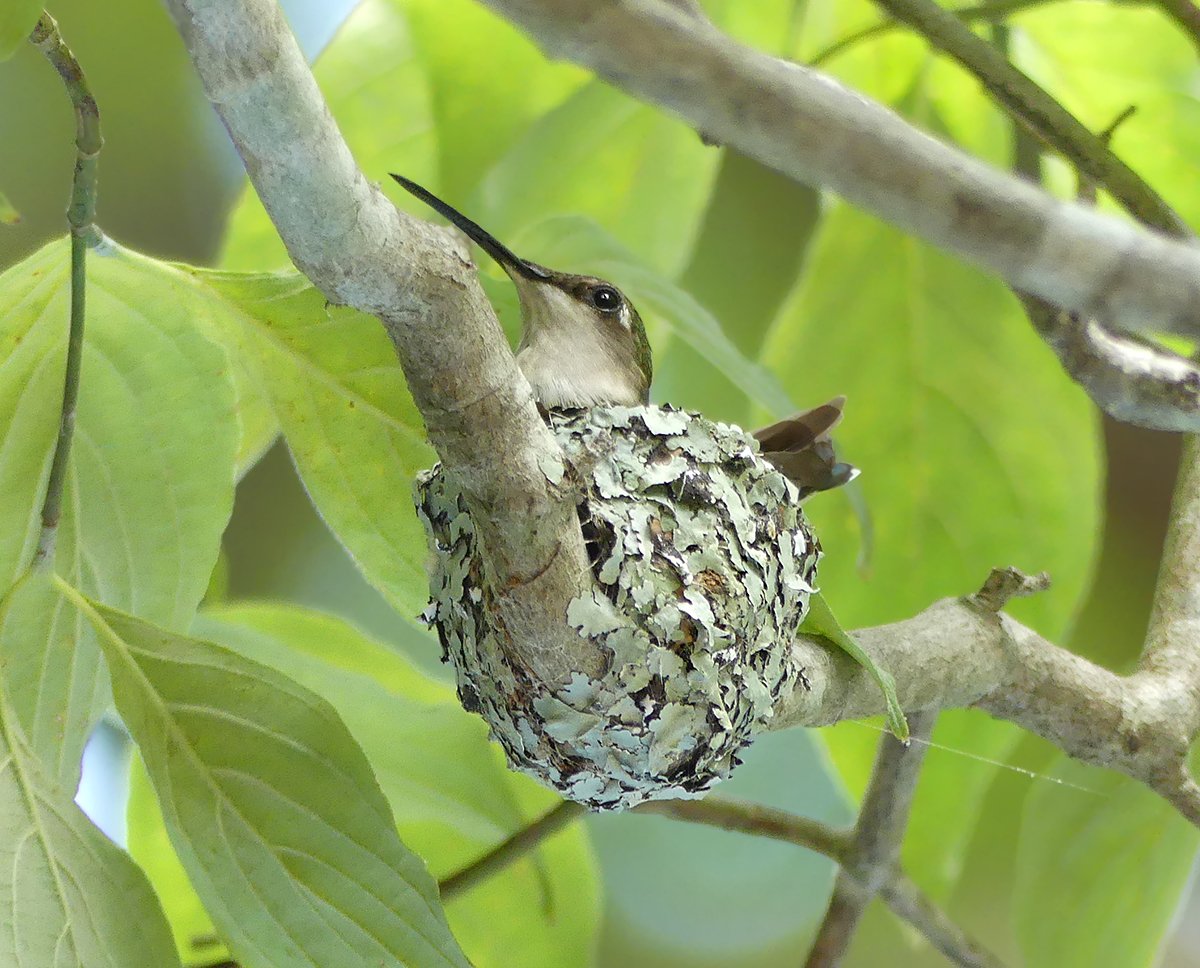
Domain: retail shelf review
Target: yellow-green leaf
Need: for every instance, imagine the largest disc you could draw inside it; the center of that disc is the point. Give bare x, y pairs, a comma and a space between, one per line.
452, 796
271, 806
1100, 868
17, 20
149, 486
8, 214
71, 899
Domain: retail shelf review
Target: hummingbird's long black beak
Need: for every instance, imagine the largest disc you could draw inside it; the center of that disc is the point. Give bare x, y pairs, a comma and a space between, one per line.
485, 240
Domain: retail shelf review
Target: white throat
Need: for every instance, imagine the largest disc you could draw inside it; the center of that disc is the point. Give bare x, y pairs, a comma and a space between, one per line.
569, 363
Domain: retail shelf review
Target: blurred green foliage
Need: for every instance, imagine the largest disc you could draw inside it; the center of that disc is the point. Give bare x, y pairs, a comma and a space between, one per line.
761, 295
17, 20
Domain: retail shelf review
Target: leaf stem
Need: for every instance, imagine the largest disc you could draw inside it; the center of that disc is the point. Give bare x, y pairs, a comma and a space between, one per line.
80, 215
510, 850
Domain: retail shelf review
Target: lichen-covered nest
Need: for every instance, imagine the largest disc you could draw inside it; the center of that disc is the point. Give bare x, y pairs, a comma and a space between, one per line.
703, 562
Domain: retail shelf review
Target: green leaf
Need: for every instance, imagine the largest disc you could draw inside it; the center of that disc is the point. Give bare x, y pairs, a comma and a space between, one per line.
1101, 60
17, 20
821, 621
451, 794
1099, 871
149, 486
964, 465
69, 896
883, 67
376, 88
271, 805
975, 451
488, 83
767, 24
336, 386
149, 843
331, 378
8, 214
639, 174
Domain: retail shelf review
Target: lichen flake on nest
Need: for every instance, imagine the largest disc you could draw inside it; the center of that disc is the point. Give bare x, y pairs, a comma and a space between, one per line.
703, 563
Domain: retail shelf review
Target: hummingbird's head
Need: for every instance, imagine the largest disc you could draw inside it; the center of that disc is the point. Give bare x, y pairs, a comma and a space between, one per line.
582, 342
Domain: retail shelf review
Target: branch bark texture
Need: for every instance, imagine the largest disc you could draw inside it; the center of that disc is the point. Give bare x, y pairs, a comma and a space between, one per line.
344, 234
874, 851
810, 127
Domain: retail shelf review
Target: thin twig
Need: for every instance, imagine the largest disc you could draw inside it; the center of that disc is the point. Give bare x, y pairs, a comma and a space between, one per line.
1187, 15
756, 820
899, 893
908, 902
80, 214
510, 850
995, 11
1032, 105
875, 849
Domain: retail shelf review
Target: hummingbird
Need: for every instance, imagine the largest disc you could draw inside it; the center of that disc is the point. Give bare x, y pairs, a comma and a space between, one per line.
583, 344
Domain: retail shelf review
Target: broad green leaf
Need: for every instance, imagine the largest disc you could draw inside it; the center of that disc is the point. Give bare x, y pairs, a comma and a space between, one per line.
376, 88
882, 67
71, 899
755, 233
488, 84
208, 313
1099, 871
579, 245
17, 20
642, 176
150, 482
196, 938
1100, 60
336, 386
331, 378
8, 214
768, 25
450, 792
821, 621
757, 230
436, 90
975, 451
271, 805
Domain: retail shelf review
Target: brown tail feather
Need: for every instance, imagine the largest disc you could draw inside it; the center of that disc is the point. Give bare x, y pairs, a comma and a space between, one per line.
800, 447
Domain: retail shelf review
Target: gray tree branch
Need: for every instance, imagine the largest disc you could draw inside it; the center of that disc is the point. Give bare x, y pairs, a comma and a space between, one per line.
960, 652
870, 860
809, 126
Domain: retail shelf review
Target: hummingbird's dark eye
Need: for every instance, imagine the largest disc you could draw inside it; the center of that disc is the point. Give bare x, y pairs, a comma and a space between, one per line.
605, 298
